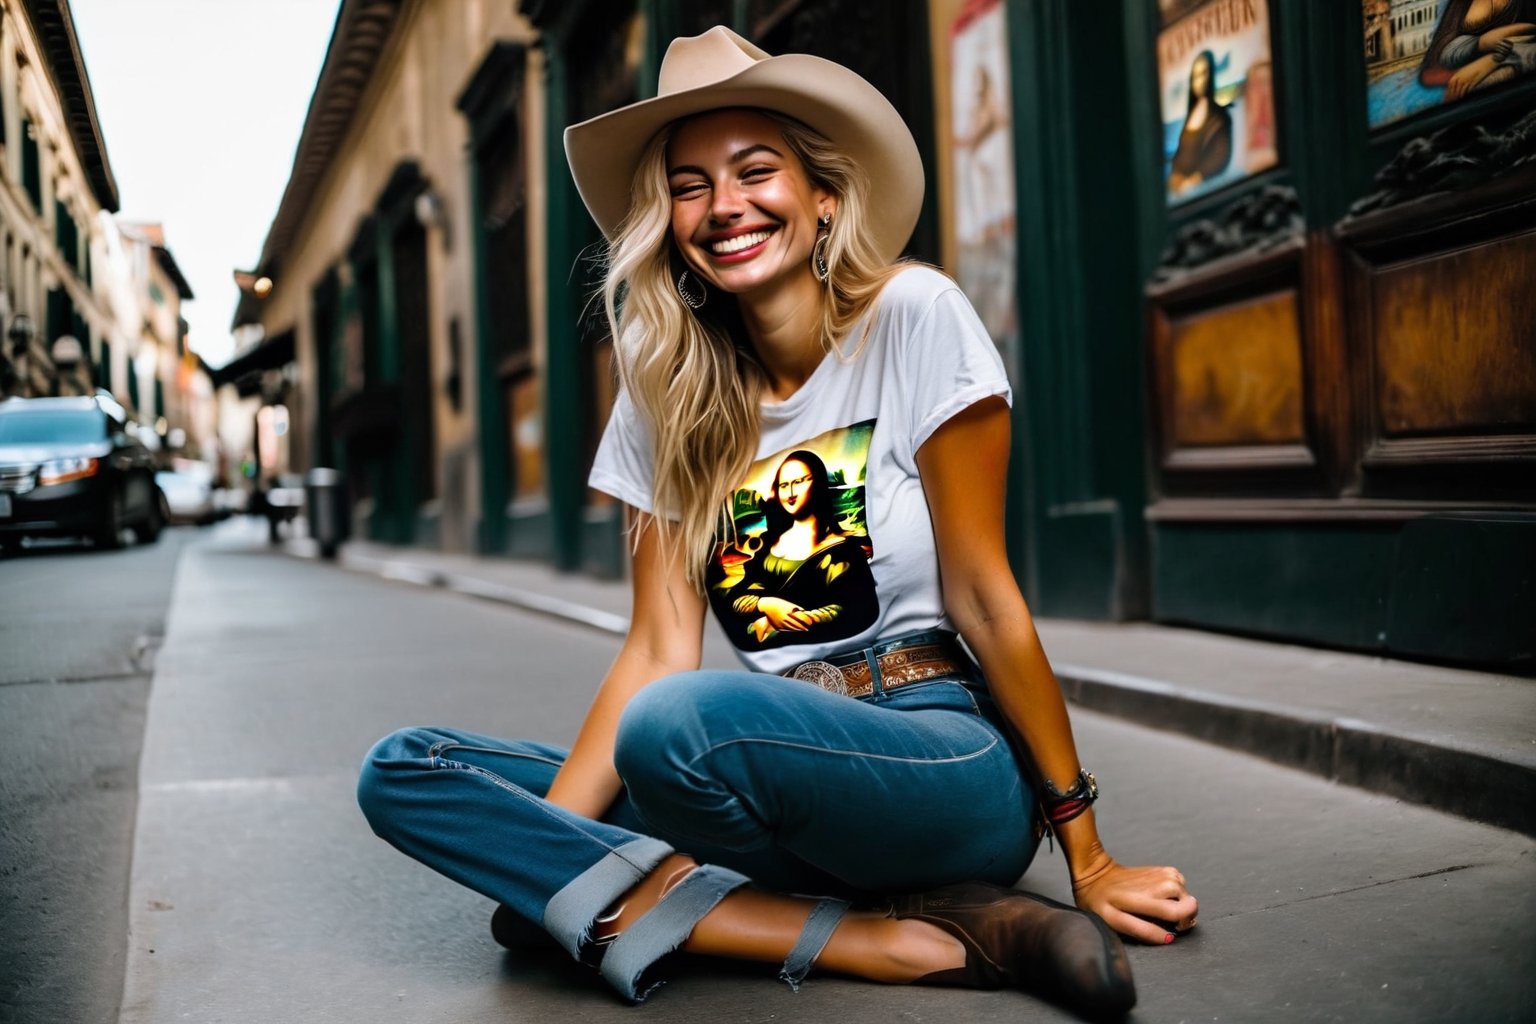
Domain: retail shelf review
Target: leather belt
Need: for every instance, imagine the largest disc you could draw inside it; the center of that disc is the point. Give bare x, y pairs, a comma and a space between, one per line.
929, 656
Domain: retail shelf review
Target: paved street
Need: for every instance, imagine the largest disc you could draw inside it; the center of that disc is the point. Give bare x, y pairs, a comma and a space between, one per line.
259, 894
79, 629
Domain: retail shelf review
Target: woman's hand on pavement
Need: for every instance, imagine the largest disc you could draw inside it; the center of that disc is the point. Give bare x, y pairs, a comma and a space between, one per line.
1142, 903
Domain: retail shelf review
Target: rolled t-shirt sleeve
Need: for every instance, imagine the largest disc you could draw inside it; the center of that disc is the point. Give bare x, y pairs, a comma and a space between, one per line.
623, 466
950, 364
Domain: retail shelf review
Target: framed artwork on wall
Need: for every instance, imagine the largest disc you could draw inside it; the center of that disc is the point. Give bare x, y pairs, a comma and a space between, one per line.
1424, 53
1216, 89
981, 140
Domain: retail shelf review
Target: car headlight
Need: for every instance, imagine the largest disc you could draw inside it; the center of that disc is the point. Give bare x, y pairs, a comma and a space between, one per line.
62, 471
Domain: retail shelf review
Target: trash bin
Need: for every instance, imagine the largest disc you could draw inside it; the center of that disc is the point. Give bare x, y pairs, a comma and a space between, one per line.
326, 496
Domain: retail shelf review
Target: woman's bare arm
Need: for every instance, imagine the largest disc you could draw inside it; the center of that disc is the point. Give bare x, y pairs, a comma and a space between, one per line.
666, 633
964, 469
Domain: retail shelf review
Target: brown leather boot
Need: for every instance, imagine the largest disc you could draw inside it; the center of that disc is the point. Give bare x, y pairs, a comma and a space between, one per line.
1017, 939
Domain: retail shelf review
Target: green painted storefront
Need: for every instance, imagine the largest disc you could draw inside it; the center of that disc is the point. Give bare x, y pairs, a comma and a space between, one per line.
1413, 543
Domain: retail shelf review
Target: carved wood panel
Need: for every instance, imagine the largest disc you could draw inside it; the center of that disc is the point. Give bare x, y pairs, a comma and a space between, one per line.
1442, 294
1241, 365
1236, 374
1454, 338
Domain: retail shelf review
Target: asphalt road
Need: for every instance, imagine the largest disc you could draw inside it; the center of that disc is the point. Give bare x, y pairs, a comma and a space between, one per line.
259, 894
79, 629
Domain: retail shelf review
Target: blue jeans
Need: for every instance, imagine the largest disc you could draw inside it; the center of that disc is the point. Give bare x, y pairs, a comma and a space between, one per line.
757, 777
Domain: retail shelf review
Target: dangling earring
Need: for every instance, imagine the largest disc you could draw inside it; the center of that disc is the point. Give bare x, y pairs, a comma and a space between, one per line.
692, 299
819, 265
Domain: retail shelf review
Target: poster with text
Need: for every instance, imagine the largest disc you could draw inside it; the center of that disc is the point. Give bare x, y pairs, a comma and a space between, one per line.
1422, 53
1217, 93
982, 141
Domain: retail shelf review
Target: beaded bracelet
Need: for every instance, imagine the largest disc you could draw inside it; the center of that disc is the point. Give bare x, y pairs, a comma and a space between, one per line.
1061, 807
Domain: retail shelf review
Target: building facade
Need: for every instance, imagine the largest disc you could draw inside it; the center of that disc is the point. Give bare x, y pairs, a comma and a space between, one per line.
86, 303
55, 185
376, 277
1262, 278
166, 385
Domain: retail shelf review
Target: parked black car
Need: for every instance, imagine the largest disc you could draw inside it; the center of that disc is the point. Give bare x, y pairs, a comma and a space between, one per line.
73, 467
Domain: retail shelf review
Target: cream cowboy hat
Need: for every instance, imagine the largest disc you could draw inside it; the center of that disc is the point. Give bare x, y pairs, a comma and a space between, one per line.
721, 69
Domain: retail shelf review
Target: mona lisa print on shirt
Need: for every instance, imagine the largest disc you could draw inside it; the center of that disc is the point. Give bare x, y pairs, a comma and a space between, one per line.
792, 566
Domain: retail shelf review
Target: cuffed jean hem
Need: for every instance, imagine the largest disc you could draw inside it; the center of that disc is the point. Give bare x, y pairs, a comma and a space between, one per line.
665, 927
570, 912
824, 919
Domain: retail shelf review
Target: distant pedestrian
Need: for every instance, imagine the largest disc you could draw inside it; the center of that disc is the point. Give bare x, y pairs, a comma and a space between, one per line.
812, 438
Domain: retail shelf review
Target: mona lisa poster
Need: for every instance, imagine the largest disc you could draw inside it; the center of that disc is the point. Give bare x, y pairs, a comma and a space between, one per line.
1217, 94
985, 231
1422, 53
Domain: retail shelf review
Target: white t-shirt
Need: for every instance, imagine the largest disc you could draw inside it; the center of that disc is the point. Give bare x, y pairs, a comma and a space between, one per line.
832, 530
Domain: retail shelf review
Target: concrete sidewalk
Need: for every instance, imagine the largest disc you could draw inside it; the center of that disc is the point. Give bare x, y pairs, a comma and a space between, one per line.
1452, 739
259, 895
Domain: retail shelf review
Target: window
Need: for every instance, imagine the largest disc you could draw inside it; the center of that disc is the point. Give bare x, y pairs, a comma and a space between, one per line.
31, 164
66, 234
61, 313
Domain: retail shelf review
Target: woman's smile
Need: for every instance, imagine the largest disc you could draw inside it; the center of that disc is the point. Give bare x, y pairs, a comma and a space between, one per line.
740, 245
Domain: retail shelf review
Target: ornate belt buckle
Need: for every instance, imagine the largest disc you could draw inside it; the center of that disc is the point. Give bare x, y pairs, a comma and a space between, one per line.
824, 674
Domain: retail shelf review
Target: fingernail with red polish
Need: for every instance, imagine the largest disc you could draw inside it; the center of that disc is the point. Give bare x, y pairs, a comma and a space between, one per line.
1167, 938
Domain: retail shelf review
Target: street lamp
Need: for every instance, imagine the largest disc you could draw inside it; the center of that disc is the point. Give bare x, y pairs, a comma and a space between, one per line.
67, 352
21, 333
430, 213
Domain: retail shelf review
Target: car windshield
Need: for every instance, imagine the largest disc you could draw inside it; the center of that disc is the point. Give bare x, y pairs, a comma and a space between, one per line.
53, 426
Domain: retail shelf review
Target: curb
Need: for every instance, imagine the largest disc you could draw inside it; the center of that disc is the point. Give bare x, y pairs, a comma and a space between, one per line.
1465, 783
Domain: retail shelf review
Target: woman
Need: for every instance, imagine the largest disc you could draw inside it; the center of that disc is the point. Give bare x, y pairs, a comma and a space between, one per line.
754, 209
1205, 141
808, 580
1478, 44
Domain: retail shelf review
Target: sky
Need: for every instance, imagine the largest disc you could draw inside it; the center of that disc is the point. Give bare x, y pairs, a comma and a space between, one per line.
201, 103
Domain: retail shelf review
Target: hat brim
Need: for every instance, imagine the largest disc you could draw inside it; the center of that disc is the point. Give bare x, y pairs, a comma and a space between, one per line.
604, 152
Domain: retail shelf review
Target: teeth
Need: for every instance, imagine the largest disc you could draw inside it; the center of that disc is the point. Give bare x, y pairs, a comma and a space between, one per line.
738, 243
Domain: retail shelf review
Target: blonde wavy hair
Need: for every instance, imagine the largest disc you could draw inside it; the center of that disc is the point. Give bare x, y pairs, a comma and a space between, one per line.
692, 374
